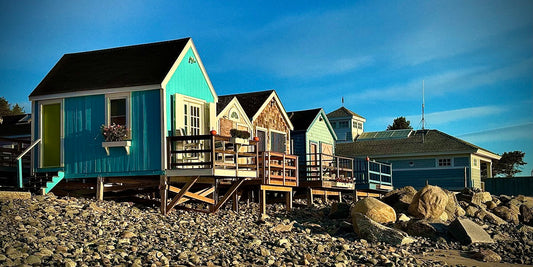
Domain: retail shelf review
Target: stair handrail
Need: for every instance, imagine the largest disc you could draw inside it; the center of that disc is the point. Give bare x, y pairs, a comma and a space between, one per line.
19, 159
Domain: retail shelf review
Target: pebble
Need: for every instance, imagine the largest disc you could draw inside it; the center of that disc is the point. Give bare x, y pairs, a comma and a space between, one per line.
84, 232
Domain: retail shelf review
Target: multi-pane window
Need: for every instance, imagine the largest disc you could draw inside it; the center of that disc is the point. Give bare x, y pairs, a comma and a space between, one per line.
445, 162
192, 119
262, 140
343, 124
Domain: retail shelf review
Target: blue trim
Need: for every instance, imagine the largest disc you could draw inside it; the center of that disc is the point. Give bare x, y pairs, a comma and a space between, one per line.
114, 174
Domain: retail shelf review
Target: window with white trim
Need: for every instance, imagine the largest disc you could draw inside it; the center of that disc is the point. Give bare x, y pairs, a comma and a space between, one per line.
278, 142
118, 109
192, 118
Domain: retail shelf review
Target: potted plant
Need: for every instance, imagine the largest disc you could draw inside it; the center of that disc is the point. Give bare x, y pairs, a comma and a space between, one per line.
239, 136
115, 135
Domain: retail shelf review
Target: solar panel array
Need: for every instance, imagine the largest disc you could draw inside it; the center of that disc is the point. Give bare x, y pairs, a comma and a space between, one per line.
383, 135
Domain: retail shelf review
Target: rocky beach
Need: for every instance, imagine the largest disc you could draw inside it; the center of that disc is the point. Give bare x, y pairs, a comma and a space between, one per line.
62, 231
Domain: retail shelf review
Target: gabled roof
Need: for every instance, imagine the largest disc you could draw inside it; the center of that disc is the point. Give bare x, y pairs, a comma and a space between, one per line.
137, 65
343, 112
223, 101
421, 142
303, 120
253, 103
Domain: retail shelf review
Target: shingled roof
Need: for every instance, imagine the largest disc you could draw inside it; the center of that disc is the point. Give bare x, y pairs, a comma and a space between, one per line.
223, 101
137, 65
301, 120
343, 112
251, 102
419, 142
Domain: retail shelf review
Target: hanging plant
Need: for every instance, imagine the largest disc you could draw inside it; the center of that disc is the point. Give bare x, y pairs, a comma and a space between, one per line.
239, 134
114, 132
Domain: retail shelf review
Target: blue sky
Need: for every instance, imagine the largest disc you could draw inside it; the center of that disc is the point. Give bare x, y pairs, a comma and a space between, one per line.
475, 57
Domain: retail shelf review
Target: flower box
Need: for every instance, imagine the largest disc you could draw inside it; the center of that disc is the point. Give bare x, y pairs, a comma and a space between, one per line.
241, 141
125, 144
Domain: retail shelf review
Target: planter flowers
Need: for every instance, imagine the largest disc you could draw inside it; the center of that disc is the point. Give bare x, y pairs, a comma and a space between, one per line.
115, 136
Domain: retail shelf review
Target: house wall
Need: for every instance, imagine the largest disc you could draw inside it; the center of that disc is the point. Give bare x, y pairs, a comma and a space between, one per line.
271, 118
83, 154
319, 133
189, 80
344, 134
415, 171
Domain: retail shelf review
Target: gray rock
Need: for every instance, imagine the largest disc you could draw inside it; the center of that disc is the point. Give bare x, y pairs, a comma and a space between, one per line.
468, 232
487, 255
375, 232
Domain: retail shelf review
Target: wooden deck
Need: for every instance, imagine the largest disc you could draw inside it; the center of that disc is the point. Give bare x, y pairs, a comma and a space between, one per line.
278, 169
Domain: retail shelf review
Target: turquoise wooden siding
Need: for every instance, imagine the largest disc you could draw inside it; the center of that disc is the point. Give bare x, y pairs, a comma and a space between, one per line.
461, 162
452, 179
417, 163
189, 80
84, 155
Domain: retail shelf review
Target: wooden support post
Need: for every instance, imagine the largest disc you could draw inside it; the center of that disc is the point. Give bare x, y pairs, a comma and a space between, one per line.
325, 197
288, 200
262, 202
163, 193
340, 196
235, 204
310, 196
184, 190
228, 194
100, 188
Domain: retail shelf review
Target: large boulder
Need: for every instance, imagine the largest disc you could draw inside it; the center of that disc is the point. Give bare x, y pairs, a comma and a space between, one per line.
526, 215
372, 231
481, 198
508, 214
468, 232
421, 228
375, 210
400, 198
451, 206
429, 203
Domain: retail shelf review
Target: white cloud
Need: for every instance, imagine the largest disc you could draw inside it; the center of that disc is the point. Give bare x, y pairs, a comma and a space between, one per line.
508, 133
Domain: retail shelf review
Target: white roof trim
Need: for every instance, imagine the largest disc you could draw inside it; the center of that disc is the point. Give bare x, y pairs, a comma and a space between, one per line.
282, 109
96, 92
189, 45
235, 102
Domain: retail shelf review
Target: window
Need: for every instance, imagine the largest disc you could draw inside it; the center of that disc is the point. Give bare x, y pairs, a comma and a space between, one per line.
343, 124
118, 110
446, 162
192, 119
262, 140
360, 125
278, 142
354, 124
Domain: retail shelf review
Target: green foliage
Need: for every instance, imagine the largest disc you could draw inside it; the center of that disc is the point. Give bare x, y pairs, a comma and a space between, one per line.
6, 110
509, 164
399, 124
239, 134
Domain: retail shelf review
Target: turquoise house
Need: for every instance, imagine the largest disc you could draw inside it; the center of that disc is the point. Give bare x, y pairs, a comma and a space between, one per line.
144, 92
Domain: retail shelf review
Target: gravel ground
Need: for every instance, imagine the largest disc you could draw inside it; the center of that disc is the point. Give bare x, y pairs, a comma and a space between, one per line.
46, 230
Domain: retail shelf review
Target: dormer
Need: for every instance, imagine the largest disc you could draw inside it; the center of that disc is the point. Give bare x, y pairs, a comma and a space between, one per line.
347, 124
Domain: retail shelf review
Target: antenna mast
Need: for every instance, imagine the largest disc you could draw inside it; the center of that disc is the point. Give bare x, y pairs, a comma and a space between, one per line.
423, 105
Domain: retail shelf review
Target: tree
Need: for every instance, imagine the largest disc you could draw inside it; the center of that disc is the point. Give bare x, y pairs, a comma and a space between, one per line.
509, 164
6, 110
400, 123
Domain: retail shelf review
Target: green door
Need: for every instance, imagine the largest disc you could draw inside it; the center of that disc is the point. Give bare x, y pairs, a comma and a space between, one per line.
51, 139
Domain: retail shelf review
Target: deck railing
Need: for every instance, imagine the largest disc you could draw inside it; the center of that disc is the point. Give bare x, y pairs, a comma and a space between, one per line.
325, 167
210, 152
278, 168
367, 171
14, 158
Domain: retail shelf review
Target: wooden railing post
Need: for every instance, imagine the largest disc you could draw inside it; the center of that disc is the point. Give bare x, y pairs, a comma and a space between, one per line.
213, 153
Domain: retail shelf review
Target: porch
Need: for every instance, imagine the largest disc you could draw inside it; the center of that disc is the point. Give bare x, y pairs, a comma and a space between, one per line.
373, 175
327, 171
